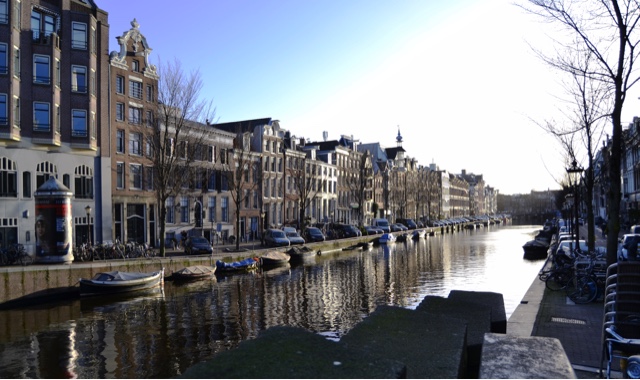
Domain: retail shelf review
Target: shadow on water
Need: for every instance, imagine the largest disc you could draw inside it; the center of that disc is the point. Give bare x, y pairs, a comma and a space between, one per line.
162, 335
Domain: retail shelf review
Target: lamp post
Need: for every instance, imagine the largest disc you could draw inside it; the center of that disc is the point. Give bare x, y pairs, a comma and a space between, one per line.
574, 173
88, 210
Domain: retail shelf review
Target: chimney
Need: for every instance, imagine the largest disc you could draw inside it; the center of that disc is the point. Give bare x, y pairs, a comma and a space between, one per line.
325, 135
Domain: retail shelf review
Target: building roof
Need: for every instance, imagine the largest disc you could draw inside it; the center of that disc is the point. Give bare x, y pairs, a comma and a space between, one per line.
242, 126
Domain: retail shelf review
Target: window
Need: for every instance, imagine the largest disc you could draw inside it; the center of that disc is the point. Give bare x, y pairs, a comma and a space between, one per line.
78, 79
26, 184
149, 93
119, 141
58, 72
135, 89
119, 175
4, 65
148, 178
41, 119
120, 111
134, 115
78, 35
170, 205
79, 123
119, 84
83, 182
149, 118
4, 11
94, 40
16, 111
212, 209
93, 82
224, 207
58, 125
41, 72
148, 146
135, 144
136, 176
4, 119
184, 210
16, 62
135, 66
42, 25
8, 178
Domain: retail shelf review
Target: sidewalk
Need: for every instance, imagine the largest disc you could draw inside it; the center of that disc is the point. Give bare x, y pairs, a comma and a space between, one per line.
578, 327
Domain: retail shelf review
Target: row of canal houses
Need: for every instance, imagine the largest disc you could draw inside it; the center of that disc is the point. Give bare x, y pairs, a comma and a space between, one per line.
72, 110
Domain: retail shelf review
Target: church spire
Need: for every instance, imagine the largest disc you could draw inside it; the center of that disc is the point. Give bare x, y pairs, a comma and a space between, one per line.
399, 138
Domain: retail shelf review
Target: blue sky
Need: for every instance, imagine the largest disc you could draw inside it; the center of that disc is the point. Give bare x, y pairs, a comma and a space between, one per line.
456, 77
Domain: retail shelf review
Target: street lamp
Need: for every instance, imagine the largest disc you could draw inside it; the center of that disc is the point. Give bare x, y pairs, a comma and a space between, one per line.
88, 210
574, 173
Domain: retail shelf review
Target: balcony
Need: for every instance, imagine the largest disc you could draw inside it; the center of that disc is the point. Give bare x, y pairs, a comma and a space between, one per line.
40, 38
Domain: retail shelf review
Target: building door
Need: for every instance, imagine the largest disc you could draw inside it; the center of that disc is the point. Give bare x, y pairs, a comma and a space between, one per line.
135, 223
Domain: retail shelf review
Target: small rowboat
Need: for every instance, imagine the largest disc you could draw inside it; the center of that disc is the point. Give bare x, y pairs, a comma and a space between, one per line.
301, 253
194, 272
387, 238
236, 266
274, 258
120, 282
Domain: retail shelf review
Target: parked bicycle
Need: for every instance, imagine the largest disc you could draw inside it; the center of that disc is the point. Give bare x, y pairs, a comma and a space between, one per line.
590, 277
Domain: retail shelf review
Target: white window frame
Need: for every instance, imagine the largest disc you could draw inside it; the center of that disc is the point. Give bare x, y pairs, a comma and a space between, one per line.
37, 79
119, 175
135, 144
137, 177
36, 126
79, 39
76, 116
78, 72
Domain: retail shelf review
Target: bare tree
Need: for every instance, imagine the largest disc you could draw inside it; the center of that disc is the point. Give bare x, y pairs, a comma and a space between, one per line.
178, 134
608, 30
303, 187
244, 176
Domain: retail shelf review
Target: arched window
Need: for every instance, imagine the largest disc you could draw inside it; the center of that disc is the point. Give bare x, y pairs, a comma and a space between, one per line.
44, 170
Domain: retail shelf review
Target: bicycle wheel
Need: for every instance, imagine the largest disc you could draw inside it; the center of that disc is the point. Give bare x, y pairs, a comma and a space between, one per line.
585, 290
557, 280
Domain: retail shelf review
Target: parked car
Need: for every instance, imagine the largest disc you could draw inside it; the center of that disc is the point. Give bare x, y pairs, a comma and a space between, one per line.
371, 230
382, 223
274, 237
347, 231
196, 245
289, 229
409, 223
313, 234
294, 238
624, 245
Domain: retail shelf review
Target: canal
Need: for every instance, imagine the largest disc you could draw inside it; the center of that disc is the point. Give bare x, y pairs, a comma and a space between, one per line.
160, 335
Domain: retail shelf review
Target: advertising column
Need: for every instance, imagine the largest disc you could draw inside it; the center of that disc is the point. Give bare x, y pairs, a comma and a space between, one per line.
53, 223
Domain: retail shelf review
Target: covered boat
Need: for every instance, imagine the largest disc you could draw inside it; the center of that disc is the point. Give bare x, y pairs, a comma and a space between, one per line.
120, 282
535, 249
418, 234
274, 258
237, 266
194, 272
387, 238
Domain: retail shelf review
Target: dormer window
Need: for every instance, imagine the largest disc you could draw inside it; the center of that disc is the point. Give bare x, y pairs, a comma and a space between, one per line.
135, 66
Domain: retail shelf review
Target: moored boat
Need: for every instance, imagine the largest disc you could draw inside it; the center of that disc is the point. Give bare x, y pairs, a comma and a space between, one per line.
236, 266
387, 238
194, 272
418, 234
120, 282
301, 252
274, 258
535, 250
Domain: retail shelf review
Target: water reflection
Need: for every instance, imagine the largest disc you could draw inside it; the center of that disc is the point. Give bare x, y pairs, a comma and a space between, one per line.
161, 335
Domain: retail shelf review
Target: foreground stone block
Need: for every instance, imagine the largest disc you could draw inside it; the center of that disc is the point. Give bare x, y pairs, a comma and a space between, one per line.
495, 300
430, 345
293, 353
512, 357
478, 319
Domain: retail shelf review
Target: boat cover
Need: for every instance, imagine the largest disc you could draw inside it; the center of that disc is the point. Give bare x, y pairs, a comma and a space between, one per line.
121, 276
236, 264
196, 269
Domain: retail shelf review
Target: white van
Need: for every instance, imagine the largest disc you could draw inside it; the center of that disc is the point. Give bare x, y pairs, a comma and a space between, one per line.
383, 224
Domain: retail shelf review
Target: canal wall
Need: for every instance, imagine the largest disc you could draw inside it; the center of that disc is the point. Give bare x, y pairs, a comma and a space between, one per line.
27, 285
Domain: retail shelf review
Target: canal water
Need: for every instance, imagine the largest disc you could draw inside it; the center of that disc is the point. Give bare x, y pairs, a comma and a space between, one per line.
161, 334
